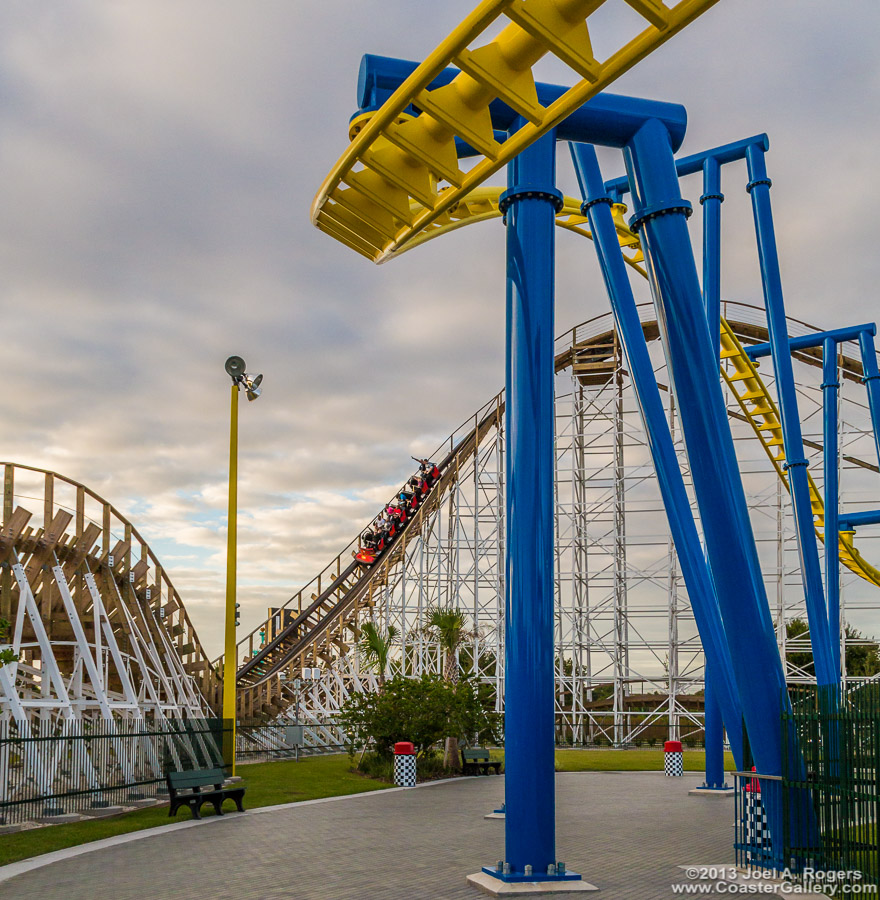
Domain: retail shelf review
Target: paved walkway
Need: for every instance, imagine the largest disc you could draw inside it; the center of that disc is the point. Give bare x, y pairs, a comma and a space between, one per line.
624, 832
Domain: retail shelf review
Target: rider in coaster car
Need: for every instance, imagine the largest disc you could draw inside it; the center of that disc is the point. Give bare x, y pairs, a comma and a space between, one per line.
429, 470
408, 498
397, 510
421, 483
370, 539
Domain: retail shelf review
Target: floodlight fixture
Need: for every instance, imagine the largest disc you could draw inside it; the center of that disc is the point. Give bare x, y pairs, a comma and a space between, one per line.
235, 368
252, 386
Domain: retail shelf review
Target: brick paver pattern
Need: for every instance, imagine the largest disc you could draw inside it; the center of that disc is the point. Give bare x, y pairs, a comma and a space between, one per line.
624, 832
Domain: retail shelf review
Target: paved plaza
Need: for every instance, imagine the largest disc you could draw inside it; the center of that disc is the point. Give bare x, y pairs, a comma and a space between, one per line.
626, 832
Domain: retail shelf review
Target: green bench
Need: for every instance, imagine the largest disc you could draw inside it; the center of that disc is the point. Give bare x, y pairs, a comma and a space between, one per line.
185, 789
475, 761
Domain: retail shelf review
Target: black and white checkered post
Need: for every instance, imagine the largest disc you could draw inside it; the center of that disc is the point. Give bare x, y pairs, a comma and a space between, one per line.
404, 764
757, 832
673, 759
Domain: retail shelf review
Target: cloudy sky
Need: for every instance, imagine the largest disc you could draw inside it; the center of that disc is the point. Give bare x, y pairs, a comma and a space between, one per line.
157, 162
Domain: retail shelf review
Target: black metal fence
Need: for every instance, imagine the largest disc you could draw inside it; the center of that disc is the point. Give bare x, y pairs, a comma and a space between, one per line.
828, 797
61, 766
258, 741
838, 734
757, 796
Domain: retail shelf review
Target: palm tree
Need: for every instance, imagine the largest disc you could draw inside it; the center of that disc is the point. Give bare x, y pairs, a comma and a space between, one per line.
375, 648
446, 625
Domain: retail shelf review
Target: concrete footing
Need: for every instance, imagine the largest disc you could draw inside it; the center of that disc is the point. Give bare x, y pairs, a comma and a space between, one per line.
99, 812
715, 793
59, 819
494, 815
494, 887
147, 801
9, 829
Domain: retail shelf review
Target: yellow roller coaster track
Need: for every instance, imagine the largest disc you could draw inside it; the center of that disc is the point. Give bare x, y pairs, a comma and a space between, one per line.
401, 173
482, 204
762, 413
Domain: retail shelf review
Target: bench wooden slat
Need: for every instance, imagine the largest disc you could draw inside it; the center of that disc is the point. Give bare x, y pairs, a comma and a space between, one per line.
196, 778
475, 755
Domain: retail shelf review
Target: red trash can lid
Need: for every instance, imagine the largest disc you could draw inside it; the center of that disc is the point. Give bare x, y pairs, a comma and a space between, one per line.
672, 747
404, 748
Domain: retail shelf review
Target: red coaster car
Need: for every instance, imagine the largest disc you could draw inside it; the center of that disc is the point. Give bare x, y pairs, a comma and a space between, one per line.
365, 555
397, 513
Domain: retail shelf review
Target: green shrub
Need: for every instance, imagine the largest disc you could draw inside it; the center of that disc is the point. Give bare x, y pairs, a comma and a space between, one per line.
431, 765
421, 710
376, 766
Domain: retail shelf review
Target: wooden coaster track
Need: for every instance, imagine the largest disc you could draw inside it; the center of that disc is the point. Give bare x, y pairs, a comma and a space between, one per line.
96, 594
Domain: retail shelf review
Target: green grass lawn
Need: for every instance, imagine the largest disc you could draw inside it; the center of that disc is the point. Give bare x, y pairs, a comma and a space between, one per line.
267, 784
623, 760
629, 761
286, 781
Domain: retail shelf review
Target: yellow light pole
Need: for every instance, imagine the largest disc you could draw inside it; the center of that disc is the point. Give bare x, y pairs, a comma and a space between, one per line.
235, 368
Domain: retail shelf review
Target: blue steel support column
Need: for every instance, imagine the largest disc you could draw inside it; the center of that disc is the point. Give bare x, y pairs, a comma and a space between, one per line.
711, 200
830, 389
660, 217
871, 377
530, 205
698, 581
714, 733
796, 462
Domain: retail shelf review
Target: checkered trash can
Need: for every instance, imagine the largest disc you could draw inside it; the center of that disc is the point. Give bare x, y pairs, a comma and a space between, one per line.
404, 764
673, 760
757, 832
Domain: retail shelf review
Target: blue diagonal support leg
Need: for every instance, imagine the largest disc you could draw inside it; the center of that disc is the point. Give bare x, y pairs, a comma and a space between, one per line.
871, 377
660, 217
694, 568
